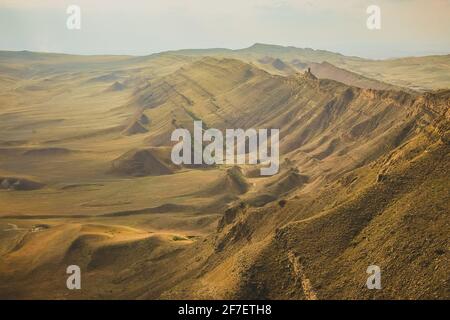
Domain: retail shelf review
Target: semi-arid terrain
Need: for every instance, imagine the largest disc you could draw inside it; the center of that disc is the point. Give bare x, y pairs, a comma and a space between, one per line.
86, 176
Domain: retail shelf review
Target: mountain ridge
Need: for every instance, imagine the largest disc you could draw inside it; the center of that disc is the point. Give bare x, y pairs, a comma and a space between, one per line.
363, 180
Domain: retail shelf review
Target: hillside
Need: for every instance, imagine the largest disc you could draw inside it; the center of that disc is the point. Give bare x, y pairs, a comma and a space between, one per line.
86, 176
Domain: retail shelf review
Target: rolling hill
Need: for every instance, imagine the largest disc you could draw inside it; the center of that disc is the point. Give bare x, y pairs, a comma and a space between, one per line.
86, 176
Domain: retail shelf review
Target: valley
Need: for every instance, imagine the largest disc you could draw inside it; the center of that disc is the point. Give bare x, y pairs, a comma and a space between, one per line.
86, 176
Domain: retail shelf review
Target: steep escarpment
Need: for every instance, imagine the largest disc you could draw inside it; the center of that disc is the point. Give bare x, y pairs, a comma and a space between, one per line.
389, 210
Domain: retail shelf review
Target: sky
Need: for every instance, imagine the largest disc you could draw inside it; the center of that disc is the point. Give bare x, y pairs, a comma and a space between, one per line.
141, 27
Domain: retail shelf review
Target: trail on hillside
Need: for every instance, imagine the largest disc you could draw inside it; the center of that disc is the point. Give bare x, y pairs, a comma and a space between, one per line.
308, 290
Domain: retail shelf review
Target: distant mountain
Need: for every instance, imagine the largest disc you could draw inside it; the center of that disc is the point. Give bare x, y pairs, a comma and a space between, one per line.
416, 73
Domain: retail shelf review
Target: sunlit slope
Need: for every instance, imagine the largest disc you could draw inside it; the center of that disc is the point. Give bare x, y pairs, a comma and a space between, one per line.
86, 178
390, 211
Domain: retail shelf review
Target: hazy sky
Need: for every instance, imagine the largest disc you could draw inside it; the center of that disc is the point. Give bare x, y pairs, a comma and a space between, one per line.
139, 27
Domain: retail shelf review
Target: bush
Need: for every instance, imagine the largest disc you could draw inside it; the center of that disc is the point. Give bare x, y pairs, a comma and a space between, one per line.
282, 203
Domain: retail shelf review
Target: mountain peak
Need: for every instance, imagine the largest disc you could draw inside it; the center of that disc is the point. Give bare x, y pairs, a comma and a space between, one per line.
258, 45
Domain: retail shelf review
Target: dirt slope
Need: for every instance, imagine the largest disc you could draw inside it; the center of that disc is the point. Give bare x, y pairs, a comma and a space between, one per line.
86, 178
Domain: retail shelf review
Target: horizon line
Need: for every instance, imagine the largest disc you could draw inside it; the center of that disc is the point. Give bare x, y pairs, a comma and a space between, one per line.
222, 48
